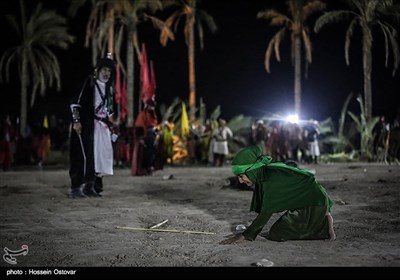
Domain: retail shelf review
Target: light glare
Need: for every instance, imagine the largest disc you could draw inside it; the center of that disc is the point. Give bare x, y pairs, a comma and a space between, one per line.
292, 118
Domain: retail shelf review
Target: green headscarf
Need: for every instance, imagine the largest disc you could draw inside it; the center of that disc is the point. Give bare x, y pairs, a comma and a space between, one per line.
278, 186
251, 158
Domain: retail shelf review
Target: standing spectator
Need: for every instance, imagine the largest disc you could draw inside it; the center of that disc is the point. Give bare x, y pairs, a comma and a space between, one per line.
259, 135
121, 147
194, 136
380, 133
396, 121
144, 146
221, 136
91, 152
205, 142
7, 138
166, 143
213, 127
311, 133
295, 139
41, 144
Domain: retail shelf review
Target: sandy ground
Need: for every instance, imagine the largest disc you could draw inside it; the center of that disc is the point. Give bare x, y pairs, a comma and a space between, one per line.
62, 232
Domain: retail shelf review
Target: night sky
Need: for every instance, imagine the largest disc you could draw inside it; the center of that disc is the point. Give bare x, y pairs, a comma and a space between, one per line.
230, 70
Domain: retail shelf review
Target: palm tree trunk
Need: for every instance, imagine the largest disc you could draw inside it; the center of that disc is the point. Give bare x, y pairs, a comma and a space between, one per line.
192, 79
94, 51
110, 44
130, 78
367, 68
297, 75
24, 95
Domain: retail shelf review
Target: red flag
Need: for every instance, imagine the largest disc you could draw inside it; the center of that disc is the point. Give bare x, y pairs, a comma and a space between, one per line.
148, 82
153, 85
144, 75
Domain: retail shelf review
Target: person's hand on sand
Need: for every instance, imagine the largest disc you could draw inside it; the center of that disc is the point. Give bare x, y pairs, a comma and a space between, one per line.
233, 238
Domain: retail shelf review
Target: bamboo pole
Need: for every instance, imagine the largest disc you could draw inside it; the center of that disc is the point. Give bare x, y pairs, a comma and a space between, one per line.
165, 230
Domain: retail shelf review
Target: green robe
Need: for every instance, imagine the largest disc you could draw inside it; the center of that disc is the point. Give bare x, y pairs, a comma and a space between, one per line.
300, 195
278, 188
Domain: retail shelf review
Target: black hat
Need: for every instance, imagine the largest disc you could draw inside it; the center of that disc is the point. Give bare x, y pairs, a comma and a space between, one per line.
105, 62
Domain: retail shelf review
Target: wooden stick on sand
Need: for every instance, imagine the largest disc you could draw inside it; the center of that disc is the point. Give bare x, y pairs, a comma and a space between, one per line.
166, 230
159, 224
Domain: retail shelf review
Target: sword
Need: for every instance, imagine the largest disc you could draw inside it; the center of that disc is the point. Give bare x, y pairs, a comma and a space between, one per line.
84, 155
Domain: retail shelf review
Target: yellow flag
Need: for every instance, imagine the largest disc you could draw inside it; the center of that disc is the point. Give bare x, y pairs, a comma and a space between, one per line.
184, 121
45, 122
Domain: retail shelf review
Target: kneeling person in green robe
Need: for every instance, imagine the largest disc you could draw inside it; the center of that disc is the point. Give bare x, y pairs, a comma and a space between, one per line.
279, 187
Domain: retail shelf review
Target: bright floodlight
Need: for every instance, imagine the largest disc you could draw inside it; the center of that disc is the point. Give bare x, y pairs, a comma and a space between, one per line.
292, 118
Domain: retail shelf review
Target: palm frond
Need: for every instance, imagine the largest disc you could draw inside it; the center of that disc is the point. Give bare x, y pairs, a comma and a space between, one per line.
312, 7
170, 110
207, 19
215, 113
349, 34
151, 5
395, 49
239, 122
74, 6
163, 27
269, 14
342, 118
307, 45
273, 45
331, 17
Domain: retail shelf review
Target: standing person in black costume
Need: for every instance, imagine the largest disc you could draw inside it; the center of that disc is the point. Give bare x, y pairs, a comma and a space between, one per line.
91, 152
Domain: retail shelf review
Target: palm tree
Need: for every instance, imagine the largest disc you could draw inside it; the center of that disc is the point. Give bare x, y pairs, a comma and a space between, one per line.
367, 14
129, 15
37, 65
193, 15
100, 26
299, 11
